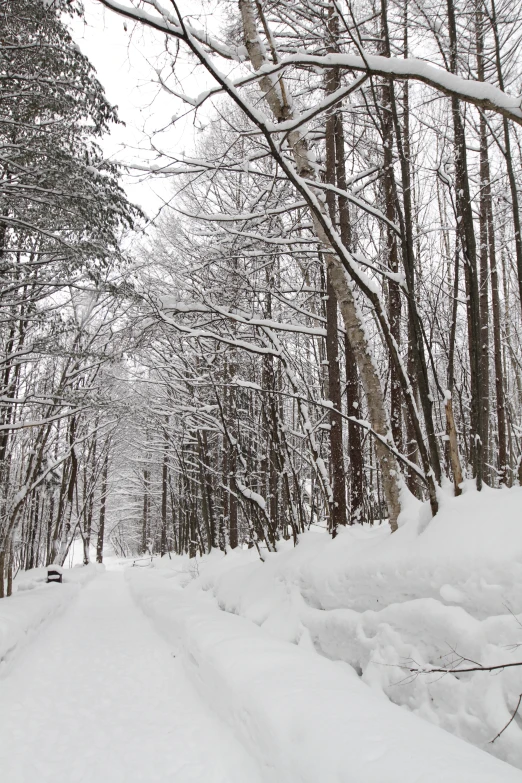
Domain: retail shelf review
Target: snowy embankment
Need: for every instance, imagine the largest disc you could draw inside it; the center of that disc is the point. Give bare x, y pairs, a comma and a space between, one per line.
432, 592
370, 602
33, 603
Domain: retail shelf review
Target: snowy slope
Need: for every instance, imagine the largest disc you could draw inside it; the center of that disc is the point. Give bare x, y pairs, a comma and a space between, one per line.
376, 601
304, 718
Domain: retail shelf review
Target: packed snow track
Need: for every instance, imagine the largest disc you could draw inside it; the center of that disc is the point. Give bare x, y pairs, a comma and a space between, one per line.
98, 696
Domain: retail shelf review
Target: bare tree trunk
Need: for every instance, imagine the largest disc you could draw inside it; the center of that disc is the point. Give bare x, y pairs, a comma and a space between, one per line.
192, 544
103, 502
355, 445
338, 505
2, 574
233, 516
338, 499
343, 288
207, 491
415, 330
466, 236
392, 258
508, 155
225, 494
164, 491
35, 520
204, 494
145, 513
90, 502
353, 384
453, 447
412, 450
451, 430
66, 526
9, 589
483, 255
502, 462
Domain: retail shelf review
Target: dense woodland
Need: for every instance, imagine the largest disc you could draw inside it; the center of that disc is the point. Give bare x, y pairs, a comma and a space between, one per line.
326, 316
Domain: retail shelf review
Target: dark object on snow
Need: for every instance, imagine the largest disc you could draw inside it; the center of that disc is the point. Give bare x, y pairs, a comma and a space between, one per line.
54, 576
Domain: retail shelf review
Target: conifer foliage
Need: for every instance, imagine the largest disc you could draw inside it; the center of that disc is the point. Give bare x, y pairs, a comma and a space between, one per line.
62, 213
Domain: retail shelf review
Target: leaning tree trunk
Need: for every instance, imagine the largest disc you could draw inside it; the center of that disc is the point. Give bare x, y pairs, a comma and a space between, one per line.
276, 99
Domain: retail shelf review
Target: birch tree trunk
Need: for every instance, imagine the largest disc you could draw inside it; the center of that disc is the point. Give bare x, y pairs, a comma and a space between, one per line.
275, 95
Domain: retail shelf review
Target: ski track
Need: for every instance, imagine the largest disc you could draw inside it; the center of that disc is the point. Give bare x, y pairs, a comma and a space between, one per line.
100, 697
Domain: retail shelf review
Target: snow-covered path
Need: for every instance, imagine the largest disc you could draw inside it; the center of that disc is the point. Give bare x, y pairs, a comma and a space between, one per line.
99, 697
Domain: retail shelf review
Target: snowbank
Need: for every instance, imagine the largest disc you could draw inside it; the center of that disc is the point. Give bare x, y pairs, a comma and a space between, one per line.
33, 603
377, 601
304, 718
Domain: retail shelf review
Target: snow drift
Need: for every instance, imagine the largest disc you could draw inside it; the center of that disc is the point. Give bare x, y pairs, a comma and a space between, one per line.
433, 591
302, 717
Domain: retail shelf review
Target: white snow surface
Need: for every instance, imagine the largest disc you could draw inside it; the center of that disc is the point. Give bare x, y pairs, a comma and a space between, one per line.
99, 698
33, 604
304, 718
283, 671
371, 602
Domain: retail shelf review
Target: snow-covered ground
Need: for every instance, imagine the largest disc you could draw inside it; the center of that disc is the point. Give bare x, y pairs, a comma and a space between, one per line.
33, 604
302, 717
374, 601
99, 698
282, 671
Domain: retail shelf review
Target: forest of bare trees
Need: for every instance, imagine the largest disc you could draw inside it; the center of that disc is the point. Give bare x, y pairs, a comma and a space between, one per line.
324, 320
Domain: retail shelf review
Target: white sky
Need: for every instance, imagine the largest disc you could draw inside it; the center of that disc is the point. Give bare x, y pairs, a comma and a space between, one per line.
125, 62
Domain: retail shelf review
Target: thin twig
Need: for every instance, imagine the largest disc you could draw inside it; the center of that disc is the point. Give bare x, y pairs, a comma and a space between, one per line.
423, 670
509, 721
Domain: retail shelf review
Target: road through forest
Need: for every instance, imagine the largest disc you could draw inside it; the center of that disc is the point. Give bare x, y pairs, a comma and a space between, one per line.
99, 697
